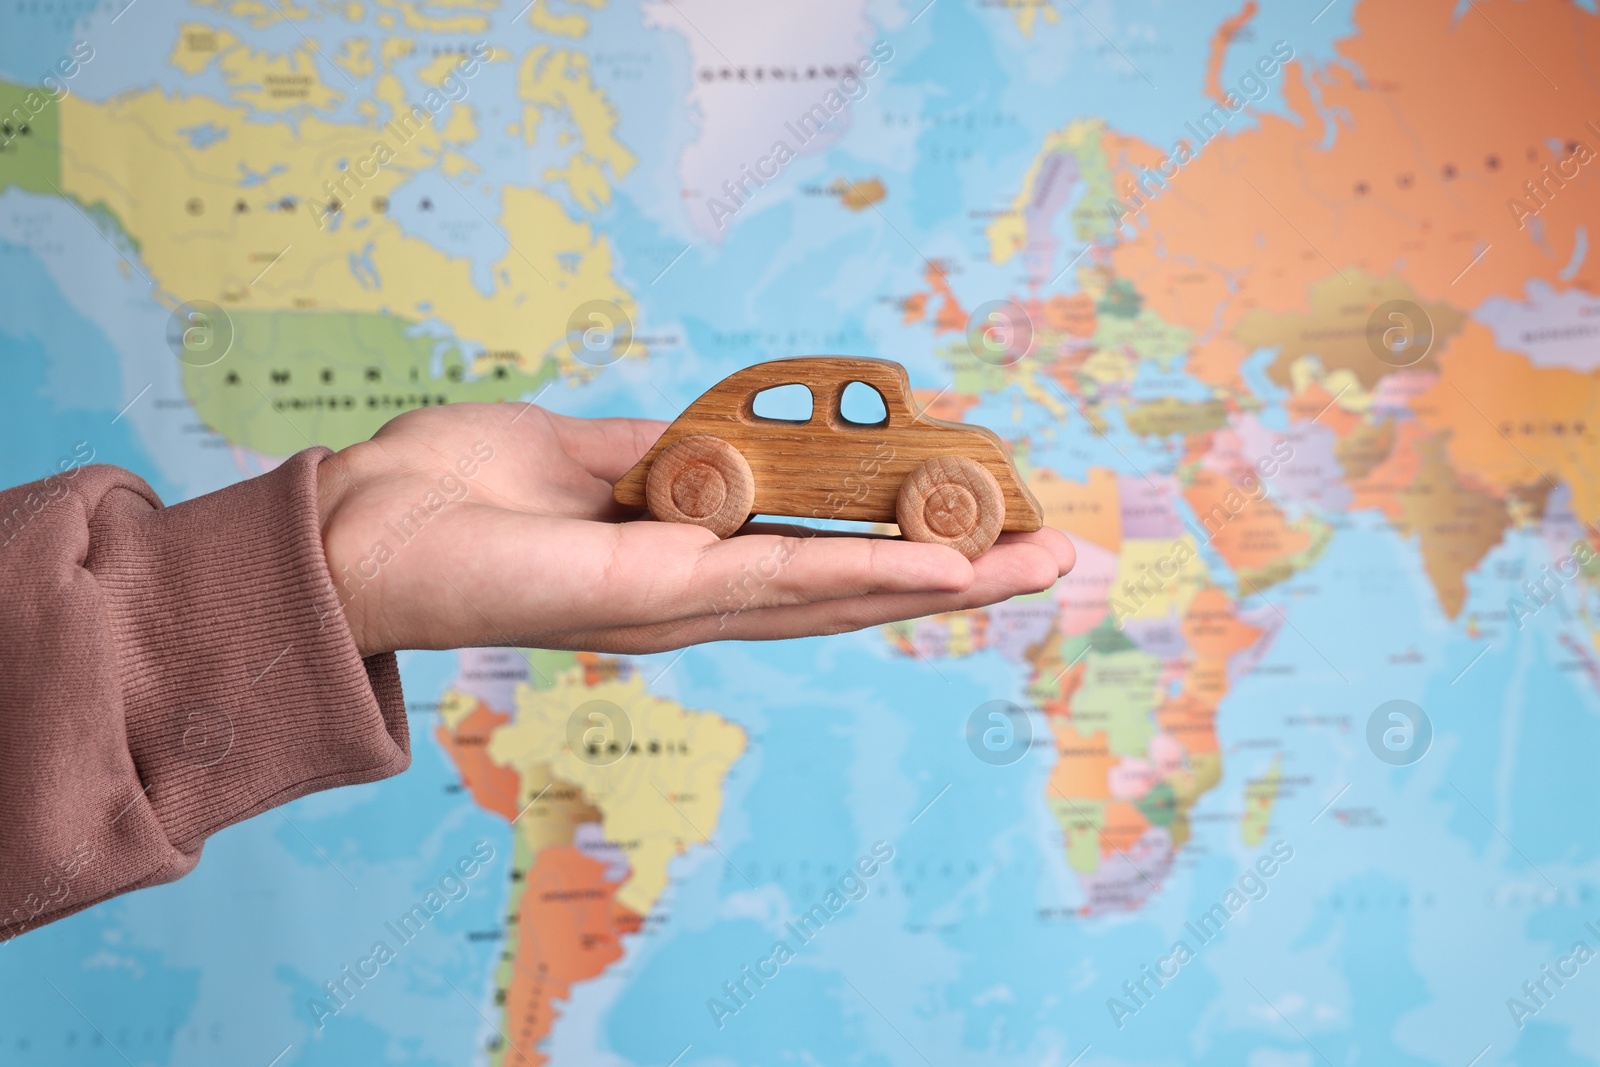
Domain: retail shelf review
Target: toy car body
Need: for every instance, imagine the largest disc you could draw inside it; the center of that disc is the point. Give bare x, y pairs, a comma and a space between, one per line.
719, 462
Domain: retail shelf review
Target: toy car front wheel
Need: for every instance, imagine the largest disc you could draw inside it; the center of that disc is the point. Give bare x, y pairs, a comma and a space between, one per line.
954, 501
701, 480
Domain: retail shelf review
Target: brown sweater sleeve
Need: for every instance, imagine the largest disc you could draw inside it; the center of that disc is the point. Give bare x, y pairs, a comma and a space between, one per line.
167, 672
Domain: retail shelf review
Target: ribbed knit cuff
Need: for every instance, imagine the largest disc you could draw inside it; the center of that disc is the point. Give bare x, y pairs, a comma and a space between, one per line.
246, 689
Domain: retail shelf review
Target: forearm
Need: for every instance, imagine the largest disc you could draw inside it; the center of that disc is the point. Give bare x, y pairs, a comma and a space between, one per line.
167, 672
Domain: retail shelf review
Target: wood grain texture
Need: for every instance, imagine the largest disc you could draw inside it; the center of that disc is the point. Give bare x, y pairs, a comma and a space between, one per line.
703, 480
954, 501
828, 467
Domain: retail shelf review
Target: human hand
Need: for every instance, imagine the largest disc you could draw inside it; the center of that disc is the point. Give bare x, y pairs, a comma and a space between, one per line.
493, 524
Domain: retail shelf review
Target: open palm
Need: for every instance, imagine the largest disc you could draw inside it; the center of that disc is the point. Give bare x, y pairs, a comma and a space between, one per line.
494, 524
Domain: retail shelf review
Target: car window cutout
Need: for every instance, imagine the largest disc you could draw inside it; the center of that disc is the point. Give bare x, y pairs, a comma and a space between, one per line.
783, 403
862, 405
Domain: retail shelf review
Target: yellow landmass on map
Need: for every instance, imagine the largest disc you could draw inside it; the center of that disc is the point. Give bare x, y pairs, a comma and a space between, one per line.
355, 56
263, 80
657, 801
1008, 234
425, 23
588, 183
1260, 796
397, 48
212, 220
462, 126
1090, 509
1030, 13
260, 13
454, 707
199, 44
1511, 423
560, 79
270, 82
437, 69
1168, 583
568, 24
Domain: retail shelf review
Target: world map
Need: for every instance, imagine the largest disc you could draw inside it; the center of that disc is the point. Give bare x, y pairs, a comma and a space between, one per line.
1287, 315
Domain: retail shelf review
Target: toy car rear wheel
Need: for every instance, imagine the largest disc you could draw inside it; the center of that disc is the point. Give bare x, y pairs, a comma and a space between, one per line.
954, 501
701, 480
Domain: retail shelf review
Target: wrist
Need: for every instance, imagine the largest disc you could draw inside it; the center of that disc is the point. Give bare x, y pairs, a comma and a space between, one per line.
335, 484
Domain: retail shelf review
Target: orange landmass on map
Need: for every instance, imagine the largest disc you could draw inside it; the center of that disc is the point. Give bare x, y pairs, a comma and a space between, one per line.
1207, 681
858, 196
950, 317
1083, 763
1220, 40
1073, 315
1214, 631
1334, 331
569, 931
913, 308
1124, 825
1089, 509
1457, 523
1391, 450
944, 404
1512, 424
1364, 447
1316, 403
492, 785
1416, 182
1192, 719
1256, 537
1212, 627
598, 669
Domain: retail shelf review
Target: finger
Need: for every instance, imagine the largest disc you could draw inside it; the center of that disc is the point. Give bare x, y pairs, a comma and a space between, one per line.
606, 448
529, 575
1016, 571
638, 573
1005, 571
766, 570
660, 572
1052, 540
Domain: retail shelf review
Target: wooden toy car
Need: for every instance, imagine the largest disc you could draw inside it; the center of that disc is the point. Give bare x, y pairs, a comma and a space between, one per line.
719, 462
